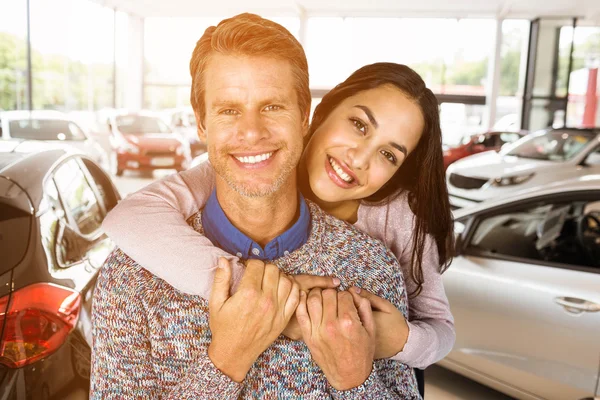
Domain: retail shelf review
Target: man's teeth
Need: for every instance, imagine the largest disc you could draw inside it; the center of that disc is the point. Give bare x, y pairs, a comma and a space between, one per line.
339, 171
254, 159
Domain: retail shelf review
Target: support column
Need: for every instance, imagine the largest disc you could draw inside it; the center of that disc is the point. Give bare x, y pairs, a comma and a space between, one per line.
591, 99
134, 79
493, 78
303, 26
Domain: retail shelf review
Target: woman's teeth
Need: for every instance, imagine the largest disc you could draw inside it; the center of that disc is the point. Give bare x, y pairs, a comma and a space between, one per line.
254, 159
339, 171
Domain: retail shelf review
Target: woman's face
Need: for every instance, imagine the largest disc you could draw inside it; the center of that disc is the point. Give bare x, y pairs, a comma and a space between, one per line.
362, 143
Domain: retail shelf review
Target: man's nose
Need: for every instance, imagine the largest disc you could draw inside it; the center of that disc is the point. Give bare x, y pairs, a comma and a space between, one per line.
251, 127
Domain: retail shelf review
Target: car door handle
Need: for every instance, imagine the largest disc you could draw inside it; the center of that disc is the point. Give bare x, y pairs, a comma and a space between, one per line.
574, 305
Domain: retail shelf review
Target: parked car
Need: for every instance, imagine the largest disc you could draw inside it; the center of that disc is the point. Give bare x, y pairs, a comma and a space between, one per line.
479, 143
541, 157
51, 127
524, 289
184, 122
52, 204
144, 142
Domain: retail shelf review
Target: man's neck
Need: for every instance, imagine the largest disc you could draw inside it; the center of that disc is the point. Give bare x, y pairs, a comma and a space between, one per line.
260, 218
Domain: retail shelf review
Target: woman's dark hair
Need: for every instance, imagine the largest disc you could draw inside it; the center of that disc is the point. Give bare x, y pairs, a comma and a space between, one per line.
422, 173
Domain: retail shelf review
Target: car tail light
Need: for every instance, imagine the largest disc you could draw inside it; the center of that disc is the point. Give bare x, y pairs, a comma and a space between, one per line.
37, 320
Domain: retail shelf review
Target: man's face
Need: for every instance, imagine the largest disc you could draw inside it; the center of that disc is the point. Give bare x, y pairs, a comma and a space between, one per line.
253, 123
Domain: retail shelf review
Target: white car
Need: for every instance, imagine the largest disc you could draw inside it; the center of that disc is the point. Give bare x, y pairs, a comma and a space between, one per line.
51, 127
537, 159
524, 289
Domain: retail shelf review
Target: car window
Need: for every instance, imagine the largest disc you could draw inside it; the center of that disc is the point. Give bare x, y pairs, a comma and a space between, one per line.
78, 197
15, 225
551, 145
562, 232
508, 137
140, 124
45, 129
593, 159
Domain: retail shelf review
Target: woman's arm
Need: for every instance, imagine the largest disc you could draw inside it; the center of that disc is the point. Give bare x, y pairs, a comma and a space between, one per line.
431, 325
150, 226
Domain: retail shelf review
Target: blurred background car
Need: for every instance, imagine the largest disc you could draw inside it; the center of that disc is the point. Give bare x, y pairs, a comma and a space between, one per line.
144, 142
479, 143
52, 127
541, 157
524, 290
52, 204
184, 122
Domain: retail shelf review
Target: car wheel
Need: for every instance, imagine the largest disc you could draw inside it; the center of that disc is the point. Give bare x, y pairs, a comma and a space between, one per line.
80, 354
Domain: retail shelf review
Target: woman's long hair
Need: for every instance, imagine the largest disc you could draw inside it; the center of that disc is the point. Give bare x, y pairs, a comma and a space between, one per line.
422, 174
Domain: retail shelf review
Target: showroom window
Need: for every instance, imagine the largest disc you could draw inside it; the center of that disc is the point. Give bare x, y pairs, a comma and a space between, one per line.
13, 55
553, 232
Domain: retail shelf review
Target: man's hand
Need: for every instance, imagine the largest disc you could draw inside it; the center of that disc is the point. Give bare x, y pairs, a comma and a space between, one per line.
245, 324
391, 327
306, 283
339, 335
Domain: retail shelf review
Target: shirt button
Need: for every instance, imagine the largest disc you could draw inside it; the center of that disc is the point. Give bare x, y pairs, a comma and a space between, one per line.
239, 254
255, 251
286, 253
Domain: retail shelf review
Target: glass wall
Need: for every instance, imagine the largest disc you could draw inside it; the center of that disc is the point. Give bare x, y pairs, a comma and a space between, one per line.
13, 55
72, 42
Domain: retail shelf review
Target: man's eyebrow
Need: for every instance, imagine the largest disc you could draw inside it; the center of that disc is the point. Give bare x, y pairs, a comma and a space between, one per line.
370, 115
400, 148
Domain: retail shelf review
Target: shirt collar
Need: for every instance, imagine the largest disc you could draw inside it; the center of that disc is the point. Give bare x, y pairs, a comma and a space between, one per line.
221, 232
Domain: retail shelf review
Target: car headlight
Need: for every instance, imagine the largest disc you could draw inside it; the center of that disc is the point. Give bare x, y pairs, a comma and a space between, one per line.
512, 180
131, 148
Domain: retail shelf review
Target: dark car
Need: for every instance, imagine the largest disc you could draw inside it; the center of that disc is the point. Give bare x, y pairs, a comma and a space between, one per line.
145, 143
479, 143
52, 204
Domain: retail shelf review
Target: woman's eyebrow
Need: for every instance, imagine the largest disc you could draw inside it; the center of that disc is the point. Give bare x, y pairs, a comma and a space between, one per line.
400, 148
370, 115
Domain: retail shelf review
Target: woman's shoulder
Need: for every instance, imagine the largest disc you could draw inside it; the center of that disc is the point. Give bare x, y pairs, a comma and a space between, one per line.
390, 210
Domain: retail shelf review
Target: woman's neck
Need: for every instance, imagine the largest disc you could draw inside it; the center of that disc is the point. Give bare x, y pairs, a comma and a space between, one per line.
345, 210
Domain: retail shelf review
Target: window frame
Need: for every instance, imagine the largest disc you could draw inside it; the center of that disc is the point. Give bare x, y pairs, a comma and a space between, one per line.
473, 221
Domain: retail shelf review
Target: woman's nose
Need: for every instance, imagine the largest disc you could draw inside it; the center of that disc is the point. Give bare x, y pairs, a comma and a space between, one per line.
359, 157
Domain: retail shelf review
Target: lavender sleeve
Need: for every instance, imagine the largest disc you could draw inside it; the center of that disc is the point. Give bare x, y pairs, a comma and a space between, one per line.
150, 227
431, 324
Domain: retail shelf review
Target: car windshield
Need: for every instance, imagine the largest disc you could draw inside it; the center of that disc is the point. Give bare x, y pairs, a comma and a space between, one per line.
551, 145
45, 129
139, 125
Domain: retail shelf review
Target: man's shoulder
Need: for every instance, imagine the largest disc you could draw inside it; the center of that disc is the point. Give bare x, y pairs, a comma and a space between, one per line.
341, 236
120, 270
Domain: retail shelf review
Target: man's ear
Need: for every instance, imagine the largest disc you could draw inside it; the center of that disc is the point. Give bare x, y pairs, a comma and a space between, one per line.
200, 127
305, 124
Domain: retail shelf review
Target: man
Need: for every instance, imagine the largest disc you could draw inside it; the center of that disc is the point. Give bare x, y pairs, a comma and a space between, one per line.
251, 98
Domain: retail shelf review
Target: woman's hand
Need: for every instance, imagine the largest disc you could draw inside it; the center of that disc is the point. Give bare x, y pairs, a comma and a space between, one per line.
391, 327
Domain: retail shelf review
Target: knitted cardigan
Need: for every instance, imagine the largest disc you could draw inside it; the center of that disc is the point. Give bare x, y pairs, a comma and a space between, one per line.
150, 340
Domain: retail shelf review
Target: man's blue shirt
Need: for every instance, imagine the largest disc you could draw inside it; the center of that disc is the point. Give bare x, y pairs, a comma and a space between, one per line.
221, 232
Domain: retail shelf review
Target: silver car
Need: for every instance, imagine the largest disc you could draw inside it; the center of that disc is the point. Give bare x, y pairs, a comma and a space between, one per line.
537, 159
52, 127
524, 289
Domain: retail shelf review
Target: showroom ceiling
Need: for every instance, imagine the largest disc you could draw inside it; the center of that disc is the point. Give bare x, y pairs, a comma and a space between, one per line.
588, 9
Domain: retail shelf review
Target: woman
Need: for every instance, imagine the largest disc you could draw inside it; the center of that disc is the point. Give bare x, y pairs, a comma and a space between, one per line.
374, 159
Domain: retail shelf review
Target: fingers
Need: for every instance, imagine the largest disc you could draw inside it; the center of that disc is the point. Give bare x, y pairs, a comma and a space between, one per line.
222, 281
330, 305
303, 317
292, 302
308, 282
253, 275
366, 316
346, 306
377, 303
314, 304
270, 280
